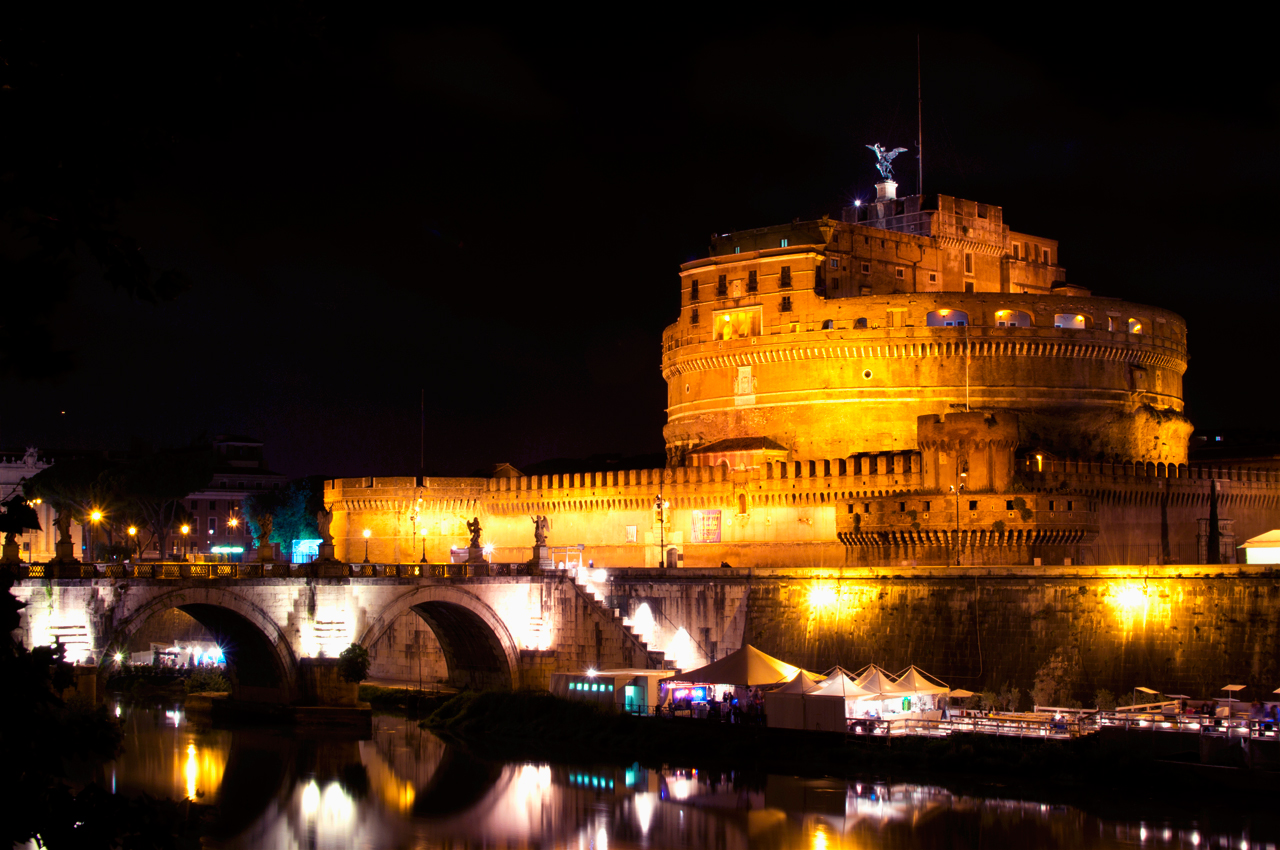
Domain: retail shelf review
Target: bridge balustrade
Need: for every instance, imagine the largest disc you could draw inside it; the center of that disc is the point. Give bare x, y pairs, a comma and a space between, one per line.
175, 571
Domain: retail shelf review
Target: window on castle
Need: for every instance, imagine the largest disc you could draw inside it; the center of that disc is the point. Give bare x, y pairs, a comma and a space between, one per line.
828, 325
946, 319
968, 286
693, 292
1051, 504
973, 504
834, 262
860, 323
785, 242
1026, 250
722, 286
737, 249
1012, 319
866, 507
901, 273
866, 268
1016, 252
933, 277
1135, 326
737, 324
1070, 321
1071, 506
1008, 504
926, 507
850, 507
752, 282
902, 507
785, 278
968, 263
1046, 256
785, 306
693, 316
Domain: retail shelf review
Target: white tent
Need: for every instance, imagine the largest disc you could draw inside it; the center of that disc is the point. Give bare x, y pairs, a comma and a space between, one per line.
840, 685
748, 667
876, 682
916, 681
802, 683
798, 705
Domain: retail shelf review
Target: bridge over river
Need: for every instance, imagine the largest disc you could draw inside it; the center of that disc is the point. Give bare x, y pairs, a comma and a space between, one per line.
1183, 629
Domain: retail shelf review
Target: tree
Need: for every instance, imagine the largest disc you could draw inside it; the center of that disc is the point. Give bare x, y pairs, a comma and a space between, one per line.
155, 484
77, 487
354, 663
18, 517
292, 510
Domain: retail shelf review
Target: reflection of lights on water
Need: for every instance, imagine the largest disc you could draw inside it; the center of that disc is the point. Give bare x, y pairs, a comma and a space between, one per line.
337, 809
174, 717
310, 799
192, 771
117, 709
820, 838
681, 789
644, 810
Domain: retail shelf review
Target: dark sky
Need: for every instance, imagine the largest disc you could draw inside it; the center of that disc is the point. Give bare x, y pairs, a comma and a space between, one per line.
371, 208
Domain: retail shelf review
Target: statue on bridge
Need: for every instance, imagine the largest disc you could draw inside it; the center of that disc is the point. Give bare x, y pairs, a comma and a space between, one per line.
473, 526
264, 526
541, 525
324, 518
63, 523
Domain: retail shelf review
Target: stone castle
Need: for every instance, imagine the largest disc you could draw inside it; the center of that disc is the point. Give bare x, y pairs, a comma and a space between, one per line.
912, 384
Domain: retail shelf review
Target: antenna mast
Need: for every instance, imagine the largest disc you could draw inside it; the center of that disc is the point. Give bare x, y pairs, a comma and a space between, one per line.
919, 124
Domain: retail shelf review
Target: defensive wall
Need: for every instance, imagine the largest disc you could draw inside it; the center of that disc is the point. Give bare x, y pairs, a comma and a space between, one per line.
873, 508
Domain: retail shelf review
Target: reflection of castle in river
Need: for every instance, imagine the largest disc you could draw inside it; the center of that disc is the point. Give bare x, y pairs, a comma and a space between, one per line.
914, 383
407, 788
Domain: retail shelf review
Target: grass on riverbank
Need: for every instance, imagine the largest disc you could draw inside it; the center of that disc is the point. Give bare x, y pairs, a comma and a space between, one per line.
406, 701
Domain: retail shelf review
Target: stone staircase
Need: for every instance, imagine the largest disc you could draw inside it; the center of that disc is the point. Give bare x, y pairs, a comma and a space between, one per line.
588, 591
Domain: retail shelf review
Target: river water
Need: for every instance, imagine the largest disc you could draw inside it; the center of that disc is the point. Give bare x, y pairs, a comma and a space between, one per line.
406, 788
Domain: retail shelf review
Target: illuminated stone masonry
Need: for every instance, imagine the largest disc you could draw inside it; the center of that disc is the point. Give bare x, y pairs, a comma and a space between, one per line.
913, 384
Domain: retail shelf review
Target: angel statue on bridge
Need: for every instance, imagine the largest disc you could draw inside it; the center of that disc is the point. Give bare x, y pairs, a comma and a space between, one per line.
474, 527
541, 525
884, 159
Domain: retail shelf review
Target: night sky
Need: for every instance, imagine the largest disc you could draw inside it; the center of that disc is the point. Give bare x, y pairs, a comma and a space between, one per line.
367, 209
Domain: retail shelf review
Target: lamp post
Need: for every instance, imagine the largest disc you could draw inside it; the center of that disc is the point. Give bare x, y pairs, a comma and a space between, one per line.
133, 540
956, 488
423, 532
367, 532
661, 506
95, 517
185, 529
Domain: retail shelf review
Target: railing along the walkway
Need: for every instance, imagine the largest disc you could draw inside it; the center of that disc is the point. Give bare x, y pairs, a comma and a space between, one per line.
315, 569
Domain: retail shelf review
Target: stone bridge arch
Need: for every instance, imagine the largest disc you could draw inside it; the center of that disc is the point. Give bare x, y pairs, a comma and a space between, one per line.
478, 648
265, 664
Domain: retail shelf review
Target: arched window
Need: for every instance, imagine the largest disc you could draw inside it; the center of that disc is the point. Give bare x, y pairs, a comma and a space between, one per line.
742, 503
1135, 326
828, 324
947, 319
860, 323
1012, 319
1071, 321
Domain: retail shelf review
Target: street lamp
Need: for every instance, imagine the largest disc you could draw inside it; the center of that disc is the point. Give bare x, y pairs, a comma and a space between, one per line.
423, 532
133, 540
660, 505
956, 489
96, 517
367, 532
185, 529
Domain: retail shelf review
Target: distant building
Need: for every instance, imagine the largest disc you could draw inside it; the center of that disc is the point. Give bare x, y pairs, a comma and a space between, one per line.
219, 522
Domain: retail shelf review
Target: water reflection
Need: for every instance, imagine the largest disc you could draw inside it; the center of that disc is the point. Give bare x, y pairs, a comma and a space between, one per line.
404, 787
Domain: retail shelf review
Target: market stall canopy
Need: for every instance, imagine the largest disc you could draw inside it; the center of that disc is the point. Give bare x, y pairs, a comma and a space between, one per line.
801, 683
748, 666
916, 681
839, 685
876, 681
961, 693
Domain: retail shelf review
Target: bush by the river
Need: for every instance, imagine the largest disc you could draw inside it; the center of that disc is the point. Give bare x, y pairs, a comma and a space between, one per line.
206, 680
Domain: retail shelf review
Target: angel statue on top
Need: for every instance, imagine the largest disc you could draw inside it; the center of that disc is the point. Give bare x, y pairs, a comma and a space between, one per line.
884, 159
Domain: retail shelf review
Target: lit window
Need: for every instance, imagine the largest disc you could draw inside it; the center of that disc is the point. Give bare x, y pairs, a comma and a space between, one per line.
828, 324
785, 242
834, 262
737, 249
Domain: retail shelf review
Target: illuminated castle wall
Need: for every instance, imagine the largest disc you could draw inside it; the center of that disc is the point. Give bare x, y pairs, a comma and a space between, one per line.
832, 383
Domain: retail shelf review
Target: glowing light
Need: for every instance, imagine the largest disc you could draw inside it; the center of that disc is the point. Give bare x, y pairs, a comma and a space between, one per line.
602, 839
310, 799
1039, 463
367, 533
487, 549
1079, 318
233, 522
600, 575
192, 771
119, 657
681, 789
95, 516
1130, 597
681, 649
133, 531
644, 810
642, 624
944, 312
822, 596
185, 529
591, 671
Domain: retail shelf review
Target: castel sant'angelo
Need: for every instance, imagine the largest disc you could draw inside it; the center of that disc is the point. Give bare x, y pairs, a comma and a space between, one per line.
913, 383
